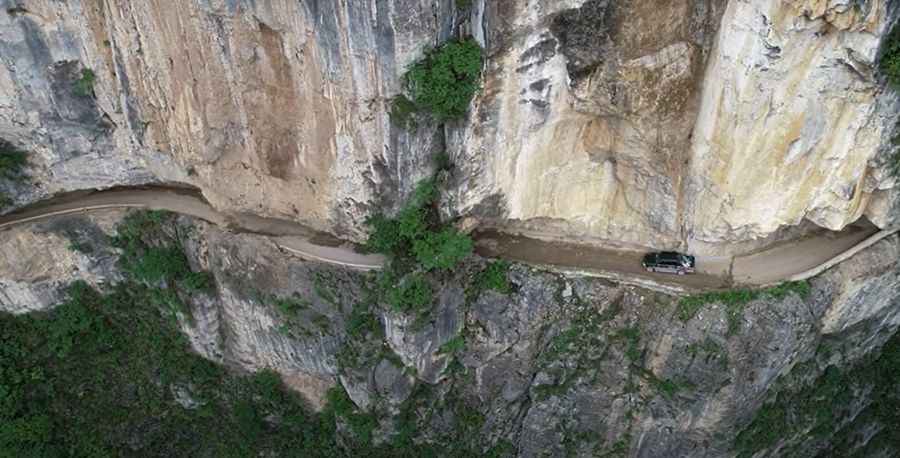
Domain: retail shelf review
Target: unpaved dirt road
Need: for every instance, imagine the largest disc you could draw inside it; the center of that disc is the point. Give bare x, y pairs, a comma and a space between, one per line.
292, 237
773, 264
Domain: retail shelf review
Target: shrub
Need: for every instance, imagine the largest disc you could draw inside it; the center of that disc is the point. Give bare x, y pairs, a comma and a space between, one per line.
890, 58
12, 162
156, 264
198, 281
445, 81
453, 346
413, 293
362, 321
495, 277
416, 234
291, 306
84, 86
442, 250
402, 111
735, 300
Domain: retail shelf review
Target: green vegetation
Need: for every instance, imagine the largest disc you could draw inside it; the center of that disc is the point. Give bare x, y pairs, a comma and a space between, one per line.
412, 294
890, 58
360, 424
362, 321
453, 346
12, 162
632, 339
403, 111
668, 388
291, 306
101, 375
12, 165
84, 86
442, 250
571, 355
711, 349
417, 244
445, 81
818, 410
494, 277
153, 256
735, 300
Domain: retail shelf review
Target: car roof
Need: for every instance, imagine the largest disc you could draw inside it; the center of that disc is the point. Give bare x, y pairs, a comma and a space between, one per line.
669, 255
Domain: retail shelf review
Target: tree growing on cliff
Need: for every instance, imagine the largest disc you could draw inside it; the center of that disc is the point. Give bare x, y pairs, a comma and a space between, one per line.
12, 165
445, 81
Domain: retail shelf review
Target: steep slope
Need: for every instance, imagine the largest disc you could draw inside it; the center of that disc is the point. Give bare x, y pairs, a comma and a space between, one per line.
667, 123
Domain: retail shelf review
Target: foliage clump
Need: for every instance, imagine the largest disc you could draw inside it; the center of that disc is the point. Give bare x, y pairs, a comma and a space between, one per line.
735, 300
155, 257
13, 162
84, 86
445, 81
417, 245
494, 277
890, 58
819, 410
107, 374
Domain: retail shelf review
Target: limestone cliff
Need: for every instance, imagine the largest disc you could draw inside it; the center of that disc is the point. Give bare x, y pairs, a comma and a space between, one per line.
654, 123
558, 366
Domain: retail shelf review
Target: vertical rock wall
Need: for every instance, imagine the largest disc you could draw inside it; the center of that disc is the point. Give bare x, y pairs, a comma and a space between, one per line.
646, 123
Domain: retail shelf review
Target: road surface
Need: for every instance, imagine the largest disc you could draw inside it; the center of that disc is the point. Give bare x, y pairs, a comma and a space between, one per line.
291, 237
779, 262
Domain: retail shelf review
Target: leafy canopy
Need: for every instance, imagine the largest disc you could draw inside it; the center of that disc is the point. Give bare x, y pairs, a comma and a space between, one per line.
445, 81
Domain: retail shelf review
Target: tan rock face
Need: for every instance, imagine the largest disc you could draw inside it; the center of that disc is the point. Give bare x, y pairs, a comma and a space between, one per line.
584, 124
275, 108
664, 123
792, 120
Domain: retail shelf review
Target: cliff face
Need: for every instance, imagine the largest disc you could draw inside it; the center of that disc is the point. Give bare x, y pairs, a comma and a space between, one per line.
793, 122
276, 108
559, 365
656, 124
659, 122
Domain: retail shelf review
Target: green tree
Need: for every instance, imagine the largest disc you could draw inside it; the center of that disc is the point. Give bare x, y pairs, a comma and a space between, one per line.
445, 81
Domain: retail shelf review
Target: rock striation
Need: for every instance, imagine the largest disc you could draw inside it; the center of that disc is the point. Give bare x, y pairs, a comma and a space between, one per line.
665, 123
560, 365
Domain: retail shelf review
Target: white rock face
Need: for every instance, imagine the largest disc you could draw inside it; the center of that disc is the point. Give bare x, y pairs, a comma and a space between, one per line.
659, 123
792, 120
276, 108
583, 126
38, 261
673, 136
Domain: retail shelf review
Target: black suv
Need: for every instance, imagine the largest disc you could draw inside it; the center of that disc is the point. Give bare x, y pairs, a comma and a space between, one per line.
670, 262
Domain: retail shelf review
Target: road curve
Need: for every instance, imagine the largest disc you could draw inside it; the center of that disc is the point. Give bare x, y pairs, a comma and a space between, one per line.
289, 236
784, 261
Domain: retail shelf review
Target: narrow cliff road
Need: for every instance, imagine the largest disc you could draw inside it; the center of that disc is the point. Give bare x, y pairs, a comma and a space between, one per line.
776, 263
773, 264
289, 236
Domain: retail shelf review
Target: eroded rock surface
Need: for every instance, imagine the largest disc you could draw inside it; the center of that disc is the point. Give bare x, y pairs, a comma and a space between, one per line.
559, 366
650, 123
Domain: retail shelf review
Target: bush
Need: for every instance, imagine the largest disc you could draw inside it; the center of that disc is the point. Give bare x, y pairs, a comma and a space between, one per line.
157, 264
413, 293
84, 86
735, 300
402, 111
890, 58
12, 162
495, 277
445, 81
442, 250
415, 233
